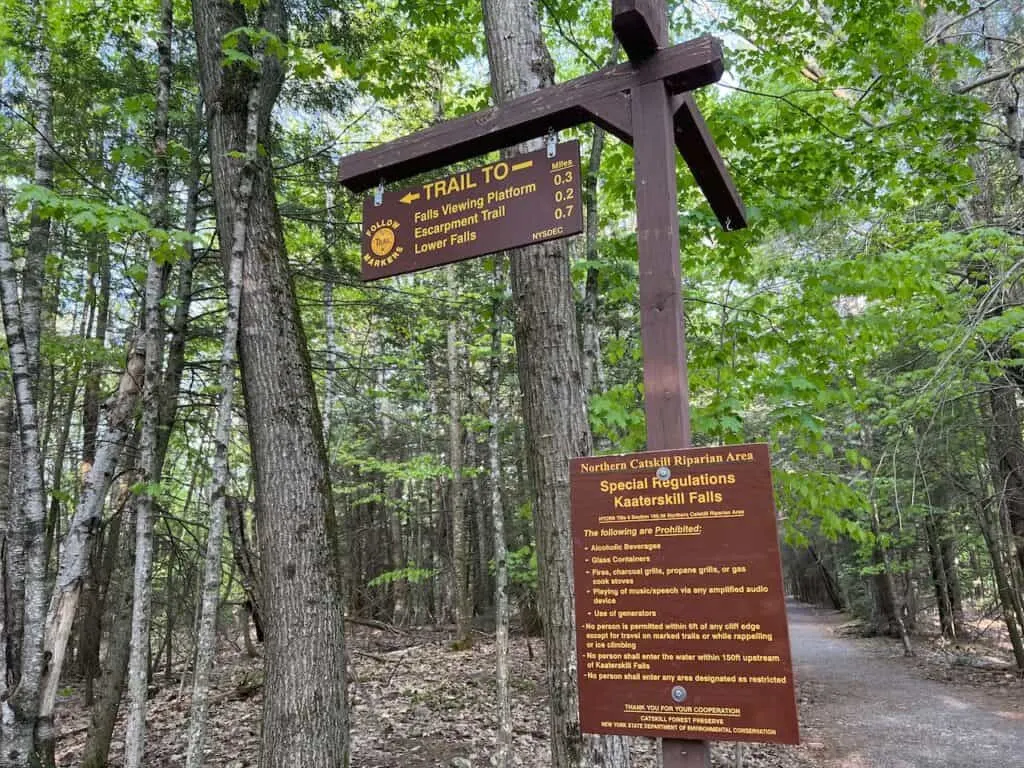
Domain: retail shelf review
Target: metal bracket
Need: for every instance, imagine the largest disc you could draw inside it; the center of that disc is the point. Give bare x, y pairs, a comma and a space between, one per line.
378, 194
552, 143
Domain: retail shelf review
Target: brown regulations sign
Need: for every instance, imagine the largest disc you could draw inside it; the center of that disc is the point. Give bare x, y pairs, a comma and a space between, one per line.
680, 613
529, 199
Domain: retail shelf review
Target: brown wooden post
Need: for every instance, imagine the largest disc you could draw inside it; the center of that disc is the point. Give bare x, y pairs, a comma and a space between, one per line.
661, 308
642, 27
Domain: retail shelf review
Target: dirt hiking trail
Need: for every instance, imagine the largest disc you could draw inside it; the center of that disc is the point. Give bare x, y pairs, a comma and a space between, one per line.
864, 709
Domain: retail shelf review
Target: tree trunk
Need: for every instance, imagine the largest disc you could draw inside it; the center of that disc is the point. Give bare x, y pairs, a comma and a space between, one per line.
554, 409
77, 545
501, 611
115, 663
96, 583
1006, 451
149, 453
948, 548
150, 474
399, 587
888, 616
39, 222
305, 714
330, 333
6, 434
939, 582
457, 496
17, 726
831, 587
99, 307
206, 644
245, 560
1003, 589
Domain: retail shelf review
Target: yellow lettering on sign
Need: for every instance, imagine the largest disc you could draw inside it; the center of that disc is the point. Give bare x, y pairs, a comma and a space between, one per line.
449, 186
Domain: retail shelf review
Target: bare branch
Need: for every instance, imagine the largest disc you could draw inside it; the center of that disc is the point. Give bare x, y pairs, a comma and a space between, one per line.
992, 78
936, 36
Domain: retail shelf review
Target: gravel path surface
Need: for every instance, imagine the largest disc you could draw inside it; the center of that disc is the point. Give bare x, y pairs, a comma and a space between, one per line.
864, 710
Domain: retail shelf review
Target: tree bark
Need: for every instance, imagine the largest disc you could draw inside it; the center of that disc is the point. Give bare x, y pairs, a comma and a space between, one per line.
39, 222
6, 434
1006, 452
206, 644
1003, 589
888, 618
305, 714
245, 560
457, 496
399, 587
20, 710
939, 583
330, 333
150, 462
77, 544
501, 610
115, 663
150, 473
948, 548
99, 308
554, 409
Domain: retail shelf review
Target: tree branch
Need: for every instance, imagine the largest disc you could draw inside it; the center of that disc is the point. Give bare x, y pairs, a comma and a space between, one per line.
936, 36
988, 79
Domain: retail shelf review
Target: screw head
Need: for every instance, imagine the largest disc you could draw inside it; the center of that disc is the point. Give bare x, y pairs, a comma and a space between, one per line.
663, 473
678, 694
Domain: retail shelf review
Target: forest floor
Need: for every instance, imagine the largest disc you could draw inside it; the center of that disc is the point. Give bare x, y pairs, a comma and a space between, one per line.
418, 704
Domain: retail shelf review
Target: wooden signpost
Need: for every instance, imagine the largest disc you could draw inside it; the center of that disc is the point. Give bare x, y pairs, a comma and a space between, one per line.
646, 103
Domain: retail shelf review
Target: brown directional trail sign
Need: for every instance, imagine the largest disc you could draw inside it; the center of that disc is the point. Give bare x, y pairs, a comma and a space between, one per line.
490, 208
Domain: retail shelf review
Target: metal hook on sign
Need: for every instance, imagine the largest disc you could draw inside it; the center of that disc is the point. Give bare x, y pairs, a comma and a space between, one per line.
728, 224
378, 194
552, 143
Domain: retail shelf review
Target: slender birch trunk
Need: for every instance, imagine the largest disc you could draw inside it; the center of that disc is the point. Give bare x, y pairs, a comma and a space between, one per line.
6, 422
330, 333
138, 663
19, 712
207, 639
39, 222
75, 548
460, 543
501, 610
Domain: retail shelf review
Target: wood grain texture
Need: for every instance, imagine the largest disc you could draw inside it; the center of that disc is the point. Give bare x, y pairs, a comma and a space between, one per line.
613, 114
641, 26
682, 67
698, 148
661, 308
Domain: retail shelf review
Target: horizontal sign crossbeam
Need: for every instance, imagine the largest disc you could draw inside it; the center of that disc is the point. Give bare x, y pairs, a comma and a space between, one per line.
682, 67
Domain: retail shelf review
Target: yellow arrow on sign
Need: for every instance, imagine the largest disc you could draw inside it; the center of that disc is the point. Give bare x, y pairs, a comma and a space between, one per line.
522, 166
410, 196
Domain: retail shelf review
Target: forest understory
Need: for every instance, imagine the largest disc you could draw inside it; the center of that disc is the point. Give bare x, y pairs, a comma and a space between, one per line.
418, 704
